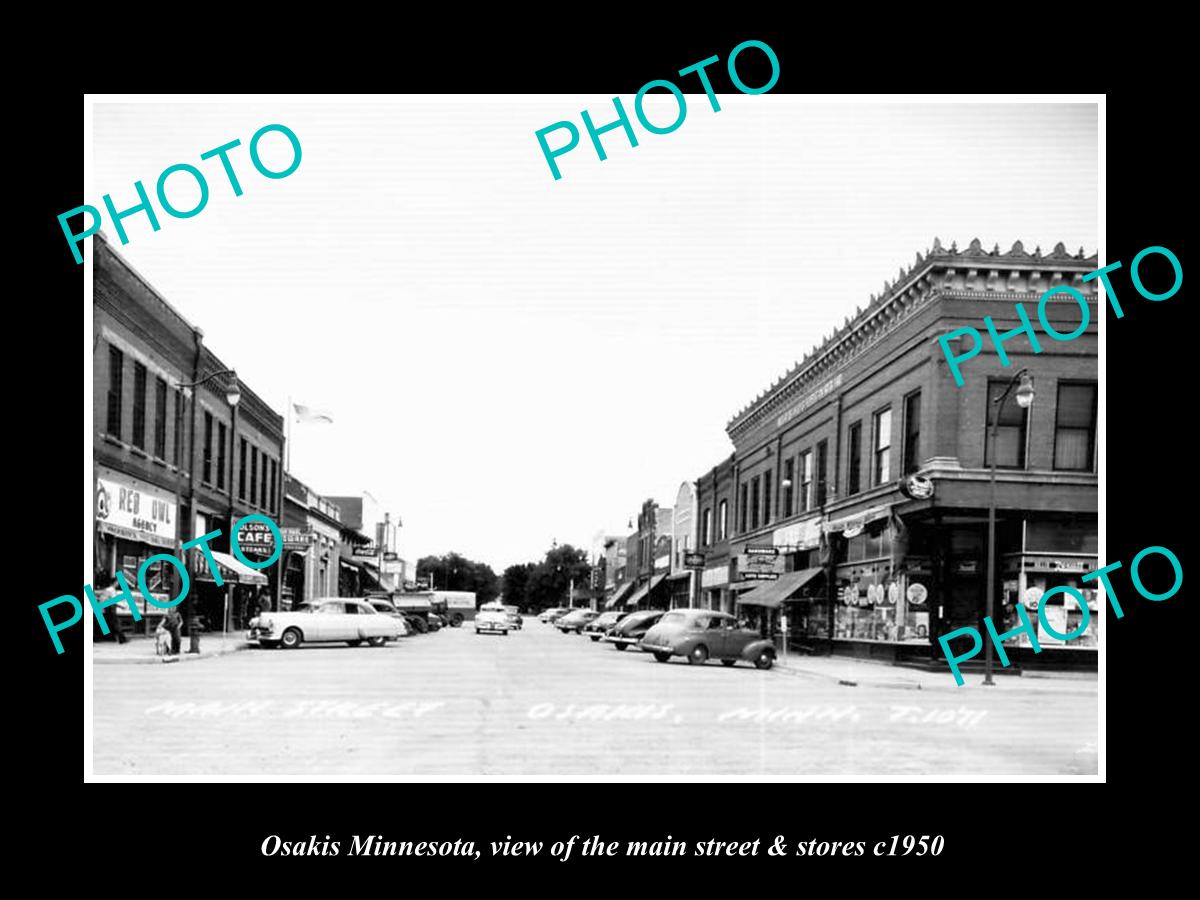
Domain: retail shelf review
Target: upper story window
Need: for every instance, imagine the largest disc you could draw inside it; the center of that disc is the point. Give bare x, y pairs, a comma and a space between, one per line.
755, 497
767, 498
912, 432
742, 504
116, 384
854, 467
1011, 426
206, 470
706, 528
789, 487
883, 446
806, 480
1075, 427
160, 418
222, 458
139, 406
822, 466
723, 520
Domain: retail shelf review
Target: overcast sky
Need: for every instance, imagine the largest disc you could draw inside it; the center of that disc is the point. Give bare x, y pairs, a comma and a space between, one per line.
511, 359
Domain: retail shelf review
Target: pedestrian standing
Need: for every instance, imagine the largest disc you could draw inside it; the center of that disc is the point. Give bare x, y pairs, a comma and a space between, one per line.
105, 588
173, 622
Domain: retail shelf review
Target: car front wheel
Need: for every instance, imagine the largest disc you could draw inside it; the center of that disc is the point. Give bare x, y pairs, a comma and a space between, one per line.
595, 637
728, 662
698, 656
354, 643
619, 645
659, 655
291, 639
765, 660
377, 641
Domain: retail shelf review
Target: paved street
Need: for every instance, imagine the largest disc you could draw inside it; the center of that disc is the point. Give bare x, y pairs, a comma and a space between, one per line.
540, 702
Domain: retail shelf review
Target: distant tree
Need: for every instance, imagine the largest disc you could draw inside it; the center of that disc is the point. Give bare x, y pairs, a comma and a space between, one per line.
453, 572
549, 581
515, 582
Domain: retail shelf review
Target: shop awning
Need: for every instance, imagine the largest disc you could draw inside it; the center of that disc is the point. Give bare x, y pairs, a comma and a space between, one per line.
679, 576
231, 570
644, 590
618, 594
776, 592
858, 521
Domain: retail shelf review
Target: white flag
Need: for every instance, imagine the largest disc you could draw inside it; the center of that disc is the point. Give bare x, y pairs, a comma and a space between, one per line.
308, 414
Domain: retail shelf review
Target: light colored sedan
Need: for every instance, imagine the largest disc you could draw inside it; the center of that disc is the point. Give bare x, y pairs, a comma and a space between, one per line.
330, 619
494, 621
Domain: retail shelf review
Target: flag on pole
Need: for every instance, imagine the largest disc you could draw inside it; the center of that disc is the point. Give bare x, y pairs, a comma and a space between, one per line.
308, 414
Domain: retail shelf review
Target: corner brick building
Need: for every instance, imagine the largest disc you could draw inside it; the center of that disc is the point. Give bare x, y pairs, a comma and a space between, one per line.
816, 517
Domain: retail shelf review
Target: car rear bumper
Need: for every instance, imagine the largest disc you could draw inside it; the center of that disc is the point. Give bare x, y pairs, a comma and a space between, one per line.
499, 629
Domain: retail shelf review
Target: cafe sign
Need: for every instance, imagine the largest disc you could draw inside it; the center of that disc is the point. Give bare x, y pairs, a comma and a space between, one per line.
135, 510
297, 538
255, 540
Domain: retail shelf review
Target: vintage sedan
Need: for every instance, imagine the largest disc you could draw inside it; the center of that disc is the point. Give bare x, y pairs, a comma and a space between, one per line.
599, 626
554, 612
631, 629
331, 619
385, 608
575, 620
493, 621
703, 634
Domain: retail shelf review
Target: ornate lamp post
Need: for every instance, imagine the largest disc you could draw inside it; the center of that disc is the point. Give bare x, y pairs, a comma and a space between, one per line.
1025, 393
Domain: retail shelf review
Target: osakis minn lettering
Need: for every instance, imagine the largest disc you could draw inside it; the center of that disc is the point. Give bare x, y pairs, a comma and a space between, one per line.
122, 593
1101, 575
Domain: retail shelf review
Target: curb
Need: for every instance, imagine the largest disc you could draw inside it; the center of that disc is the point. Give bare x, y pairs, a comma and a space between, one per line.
837, 679
158, 661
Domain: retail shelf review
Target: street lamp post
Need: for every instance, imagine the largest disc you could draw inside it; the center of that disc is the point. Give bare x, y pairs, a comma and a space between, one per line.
233, 395
1025, 394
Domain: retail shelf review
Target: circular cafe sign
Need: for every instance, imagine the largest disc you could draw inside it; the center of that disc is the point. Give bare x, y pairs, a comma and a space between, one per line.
917, 594
916, 487
255, 540
1032, 596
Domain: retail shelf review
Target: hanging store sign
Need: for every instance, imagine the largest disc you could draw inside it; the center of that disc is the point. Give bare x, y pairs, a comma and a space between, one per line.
134, 510
916, 487
760, 566
297, 538
693, 560
255, 539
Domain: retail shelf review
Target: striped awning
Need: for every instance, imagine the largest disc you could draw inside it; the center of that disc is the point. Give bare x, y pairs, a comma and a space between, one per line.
773, 593
231, 570
644, 590
618, 594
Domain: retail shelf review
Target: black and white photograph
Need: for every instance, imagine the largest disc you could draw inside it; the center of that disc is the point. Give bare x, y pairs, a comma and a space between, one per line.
767, 446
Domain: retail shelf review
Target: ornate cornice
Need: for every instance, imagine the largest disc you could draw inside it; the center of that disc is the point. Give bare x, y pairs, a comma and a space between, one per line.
973, 273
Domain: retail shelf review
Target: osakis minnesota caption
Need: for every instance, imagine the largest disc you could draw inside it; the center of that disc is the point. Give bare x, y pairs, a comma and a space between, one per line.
370, 845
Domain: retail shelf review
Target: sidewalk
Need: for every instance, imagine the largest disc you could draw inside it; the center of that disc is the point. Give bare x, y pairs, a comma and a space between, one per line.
139, 649
868, 673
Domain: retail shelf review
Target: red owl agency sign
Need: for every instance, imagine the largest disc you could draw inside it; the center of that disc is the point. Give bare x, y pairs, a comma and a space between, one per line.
134, 510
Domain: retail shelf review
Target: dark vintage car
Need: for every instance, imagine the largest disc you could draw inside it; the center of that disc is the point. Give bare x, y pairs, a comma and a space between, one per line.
575, 620
599, 626
632, 628
702, 634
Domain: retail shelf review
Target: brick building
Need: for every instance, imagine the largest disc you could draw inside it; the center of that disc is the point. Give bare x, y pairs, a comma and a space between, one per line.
172, 461
829, 526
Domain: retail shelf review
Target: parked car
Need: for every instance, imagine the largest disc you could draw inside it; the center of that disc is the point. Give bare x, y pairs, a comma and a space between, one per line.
702, 634
575, 620
549, 615
416, 624
435, 622
346, 619
493, 621
632, 628
514, 617
599, 626
385, 608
